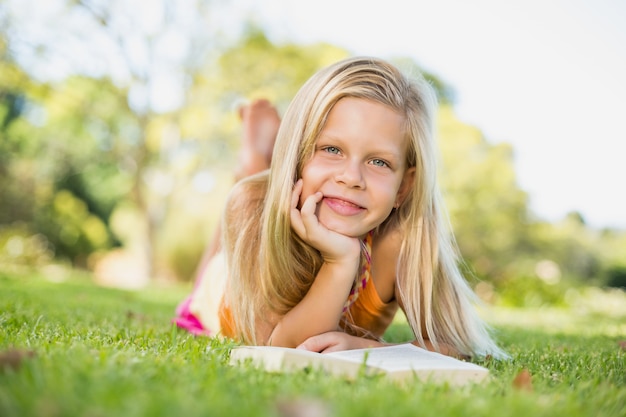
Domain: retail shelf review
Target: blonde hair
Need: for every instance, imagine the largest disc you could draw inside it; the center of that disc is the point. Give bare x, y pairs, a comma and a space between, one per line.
271, 268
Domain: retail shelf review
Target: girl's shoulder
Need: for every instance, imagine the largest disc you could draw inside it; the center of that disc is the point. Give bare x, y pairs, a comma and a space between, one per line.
247, 195
385, 254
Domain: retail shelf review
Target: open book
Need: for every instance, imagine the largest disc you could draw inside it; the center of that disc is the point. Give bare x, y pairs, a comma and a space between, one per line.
403, 362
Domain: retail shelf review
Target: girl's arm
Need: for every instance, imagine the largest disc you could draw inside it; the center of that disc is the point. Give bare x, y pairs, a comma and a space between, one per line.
385, 254
321, 308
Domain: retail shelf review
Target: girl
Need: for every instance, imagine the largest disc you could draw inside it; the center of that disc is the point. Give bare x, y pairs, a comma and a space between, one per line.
346, 227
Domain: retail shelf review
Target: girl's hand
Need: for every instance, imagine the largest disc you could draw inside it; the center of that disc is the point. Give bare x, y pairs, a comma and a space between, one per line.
334, 247
336, 341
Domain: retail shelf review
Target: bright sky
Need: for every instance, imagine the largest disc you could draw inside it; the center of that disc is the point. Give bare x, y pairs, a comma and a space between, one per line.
547, 76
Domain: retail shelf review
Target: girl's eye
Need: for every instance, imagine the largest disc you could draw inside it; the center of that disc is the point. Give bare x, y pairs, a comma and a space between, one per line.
331, 149
379, 163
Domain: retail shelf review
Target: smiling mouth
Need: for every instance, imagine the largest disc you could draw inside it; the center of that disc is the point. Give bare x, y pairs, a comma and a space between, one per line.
342, 207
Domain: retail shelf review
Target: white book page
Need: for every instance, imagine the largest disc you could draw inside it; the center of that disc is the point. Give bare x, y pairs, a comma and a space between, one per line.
405, 356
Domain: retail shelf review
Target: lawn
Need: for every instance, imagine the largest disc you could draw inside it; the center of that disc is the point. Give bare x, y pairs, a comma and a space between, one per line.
75, 349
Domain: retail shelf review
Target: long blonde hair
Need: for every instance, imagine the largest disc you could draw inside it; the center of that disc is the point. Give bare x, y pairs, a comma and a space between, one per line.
271, 268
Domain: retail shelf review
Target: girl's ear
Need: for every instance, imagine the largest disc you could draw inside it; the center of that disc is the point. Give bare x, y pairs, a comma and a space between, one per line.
405, 186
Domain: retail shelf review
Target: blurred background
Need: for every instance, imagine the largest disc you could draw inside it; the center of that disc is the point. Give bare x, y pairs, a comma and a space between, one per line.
118, 128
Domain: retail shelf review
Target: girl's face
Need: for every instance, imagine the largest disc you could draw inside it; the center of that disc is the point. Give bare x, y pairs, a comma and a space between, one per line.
359, 165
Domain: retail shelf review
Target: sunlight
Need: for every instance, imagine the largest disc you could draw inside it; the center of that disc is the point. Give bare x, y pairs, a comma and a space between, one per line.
581, 318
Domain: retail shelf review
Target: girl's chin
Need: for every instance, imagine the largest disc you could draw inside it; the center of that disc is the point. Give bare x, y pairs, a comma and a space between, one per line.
344, 229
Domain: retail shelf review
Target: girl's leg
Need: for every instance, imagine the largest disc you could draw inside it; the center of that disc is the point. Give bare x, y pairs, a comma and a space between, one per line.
260, 125
260, 122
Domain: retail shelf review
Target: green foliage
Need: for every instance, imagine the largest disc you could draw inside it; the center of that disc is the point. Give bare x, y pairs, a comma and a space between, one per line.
62, 179
616, 277
572, 245
488, 210
94, 351
72, 229
530, 292
19, 246
256, 67
15, 191
500, 240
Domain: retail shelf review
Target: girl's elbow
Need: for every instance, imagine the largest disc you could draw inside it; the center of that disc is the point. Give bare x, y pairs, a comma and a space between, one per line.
281, 338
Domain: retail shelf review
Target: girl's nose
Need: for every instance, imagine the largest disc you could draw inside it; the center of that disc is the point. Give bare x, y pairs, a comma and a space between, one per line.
350, 174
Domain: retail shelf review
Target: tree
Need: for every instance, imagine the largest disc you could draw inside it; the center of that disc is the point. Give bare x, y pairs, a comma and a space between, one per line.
488, 210
13, 83
38, 154
124, 119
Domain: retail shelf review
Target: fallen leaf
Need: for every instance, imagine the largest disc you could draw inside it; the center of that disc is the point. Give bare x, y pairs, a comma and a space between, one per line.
131, 315
13, 358
523, 381
303, 408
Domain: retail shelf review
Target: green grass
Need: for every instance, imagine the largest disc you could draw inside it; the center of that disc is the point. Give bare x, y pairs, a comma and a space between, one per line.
105, 352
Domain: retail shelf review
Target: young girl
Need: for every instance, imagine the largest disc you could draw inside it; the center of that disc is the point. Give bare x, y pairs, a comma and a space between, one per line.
345, 227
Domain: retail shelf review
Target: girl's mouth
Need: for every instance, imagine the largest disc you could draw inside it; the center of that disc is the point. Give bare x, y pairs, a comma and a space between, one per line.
342, 207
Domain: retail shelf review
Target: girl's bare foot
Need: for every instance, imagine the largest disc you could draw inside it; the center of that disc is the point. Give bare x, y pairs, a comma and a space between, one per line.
260, 126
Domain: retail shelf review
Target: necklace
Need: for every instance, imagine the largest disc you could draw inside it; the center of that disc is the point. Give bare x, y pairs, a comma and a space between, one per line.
364, 276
